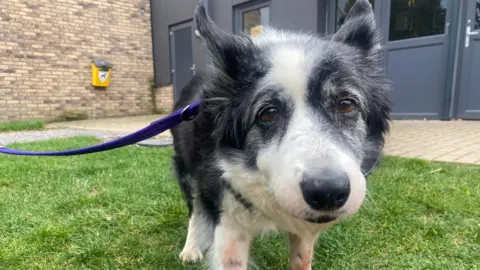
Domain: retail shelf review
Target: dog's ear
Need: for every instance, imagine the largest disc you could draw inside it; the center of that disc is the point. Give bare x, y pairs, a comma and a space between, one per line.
359, 28
225, 49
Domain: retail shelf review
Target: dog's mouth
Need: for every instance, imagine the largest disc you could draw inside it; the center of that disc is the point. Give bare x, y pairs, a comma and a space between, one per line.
324, 218
321, 219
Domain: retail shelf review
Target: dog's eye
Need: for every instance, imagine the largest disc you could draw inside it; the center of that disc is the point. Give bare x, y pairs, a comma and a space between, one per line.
346, 105
269, 115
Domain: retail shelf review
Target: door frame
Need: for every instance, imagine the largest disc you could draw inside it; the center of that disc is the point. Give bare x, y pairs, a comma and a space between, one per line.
455, 54
171, 29
462, 62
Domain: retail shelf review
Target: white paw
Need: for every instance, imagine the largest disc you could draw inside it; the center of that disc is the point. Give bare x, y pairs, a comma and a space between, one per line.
191, 254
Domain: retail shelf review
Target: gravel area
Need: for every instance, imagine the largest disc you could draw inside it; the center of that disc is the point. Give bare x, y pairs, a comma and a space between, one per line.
32, 136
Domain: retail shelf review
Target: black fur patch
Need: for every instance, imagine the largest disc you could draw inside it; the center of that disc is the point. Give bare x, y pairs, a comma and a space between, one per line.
239, 197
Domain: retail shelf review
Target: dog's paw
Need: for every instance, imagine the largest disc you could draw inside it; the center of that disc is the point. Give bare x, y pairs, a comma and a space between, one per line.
191, 255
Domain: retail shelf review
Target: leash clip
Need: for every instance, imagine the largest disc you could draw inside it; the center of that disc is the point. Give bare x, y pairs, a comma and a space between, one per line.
183, 116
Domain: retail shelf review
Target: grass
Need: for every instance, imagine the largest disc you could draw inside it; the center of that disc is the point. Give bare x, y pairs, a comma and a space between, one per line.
123, 210
21, 125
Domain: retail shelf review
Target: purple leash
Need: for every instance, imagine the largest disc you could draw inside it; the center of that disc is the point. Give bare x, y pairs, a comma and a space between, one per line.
155, 128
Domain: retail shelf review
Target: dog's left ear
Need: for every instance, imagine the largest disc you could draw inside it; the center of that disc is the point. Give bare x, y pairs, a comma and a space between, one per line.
226, 49
359, 29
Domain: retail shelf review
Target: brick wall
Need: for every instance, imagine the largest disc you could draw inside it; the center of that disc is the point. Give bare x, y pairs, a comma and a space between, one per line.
164, 96
46, 48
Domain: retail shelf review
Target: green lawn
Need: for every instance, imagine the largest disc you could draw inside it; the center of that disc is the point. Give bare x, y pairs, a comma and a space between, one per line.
21, 125
122, 210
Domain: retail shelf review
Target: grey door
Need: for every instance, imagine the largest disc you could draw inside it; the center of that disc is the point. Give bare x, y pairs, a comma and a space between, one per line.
469, 90
181, 56
417, 56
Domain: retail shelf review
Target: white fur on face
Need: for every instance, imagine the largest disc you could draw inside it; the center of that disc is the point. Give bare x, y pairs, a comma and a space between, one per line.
290, 69
306, 142
275, 187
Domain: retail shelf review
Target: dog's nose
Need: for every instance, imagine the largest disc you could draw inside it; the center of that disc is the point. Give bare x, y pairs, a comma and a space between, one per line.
325, 190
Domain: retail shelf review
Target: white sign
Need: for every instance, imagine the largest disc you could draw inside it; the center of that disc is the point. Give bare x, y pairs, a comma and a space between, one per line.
102, 75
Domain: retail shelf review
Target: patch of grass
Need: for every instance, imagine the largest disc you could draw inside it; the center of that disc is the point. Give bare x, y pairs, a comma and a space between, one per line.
21, 125
122, 210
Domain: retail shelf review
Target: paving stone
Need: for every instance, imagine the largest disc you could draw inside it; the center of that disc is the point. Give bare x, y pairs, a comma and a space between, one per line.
41, 135
447, 158
156, 142
451, 141
469, 159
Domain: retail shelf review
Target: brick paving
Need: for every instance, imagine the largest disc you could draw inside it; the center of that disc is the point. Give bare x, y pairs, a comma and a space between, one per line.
123, 124
449, 141
41, 135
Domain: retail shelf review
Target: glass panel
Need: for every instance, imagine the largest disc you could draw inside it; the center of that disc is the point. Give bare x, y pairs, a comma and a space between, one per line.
477, 16
254, 19
417, 18
343, 6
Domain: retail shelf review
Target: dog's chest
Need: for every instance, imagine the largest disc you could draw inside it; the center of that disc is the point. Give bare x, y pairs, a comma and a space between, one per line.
265, 216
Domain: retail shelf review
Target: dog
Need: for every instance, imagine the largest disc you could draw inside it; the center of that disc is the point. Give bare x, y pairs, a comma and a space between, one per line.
289, 127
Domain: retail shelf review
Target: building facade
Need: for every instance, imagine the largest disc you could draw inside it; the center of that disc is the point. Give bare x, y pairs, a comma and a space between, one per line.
431, 48
46, 49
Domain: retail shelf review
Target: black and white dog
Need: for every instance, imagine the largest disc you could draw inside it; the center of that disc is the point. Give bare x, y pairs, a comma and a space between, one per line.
290, 124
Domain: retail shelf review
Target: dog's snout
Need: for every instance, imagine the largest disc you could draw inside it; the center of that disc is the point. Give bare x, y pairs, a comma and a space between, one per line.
325, 190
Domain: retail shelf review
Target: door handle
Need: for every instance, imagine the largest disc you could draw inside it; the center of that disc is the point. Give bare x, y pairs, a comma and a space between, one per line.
193, 69
471, 33
468, 34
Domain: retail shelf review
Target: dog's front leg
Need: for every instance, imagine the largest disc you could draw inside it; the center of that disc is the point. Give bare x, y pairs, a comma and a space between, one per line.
231, 246
301, 252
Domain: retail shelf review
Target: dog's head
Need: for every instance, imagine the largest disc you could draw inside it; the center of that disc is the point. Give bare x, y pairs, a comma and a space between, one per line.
306, 115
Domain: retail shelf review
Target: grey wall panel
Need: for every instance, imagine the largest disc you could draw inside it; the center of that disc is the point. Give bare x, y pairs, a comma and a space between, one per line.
161, 62
221, 12
474, 83
295, 15
415, 74
289, 14
238, 2
164, 14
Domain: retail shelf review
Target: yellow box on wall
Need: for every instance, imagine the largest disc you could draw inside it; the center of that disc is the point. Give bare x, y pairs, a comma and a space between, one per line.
101, 72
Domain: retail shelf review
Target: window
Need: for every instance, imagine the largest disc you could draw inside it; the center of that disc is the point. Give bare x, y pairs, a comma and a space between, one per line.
417, 18
256, 17
342, 9
252, 18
